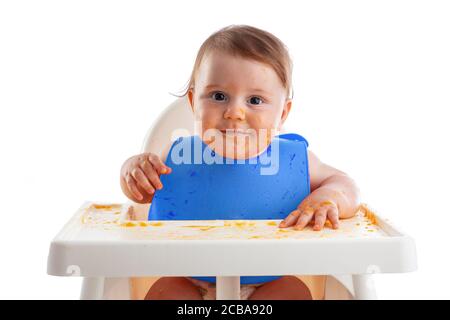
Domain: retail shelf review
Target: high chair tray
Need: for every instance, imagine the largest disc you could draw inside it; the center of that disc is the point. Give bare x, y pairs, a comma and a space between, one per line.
101, 240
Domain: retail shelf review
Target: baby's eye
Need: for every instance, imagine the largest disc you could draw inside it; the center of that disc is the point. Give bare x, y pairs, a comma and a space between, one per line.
218, 96
255, 100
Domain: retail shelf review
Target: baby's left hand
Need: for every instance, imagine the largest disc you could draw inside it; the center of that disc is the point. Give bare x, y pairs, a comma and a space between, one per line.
318, 205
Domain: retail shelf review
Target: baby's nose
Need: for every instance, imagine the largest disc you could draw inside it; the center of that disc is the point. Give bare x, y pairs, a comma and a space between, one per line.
234, 111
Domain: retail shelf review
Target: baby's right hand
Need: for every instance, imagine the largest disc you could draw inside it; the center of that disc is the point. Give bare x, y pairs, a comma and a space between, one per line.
139, 176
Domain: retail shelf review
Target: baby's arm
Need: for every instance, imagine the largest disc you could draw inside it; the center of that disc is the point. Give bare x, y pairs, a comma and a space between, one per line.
333, 195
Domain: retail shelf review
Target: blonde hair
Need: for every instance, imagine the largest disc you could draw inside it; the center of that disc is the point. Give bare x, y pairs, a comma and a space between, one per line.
251, 43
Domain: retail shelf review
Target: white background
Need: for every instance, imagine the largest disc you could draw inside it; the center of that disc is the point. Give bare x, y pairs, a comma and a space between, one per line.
82, 81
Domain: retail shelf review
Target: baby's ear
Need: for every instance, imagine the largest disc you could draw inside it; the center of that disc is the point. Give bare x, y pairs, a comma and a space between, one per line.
286, 109
190, 95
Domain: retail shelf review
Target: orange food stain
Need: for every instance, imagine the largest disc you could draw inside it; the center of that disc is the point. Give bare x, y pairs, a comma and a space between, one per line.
326, 203
328, 224
143, 224
369, 214
104, 206
255, 237
207, 228
309, 210
272, 223
202, 227
129, 224
156, 224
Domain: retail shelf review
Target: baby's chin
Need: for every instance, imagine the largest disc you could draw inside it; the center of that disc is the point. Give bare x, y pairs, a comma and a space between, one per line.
237, 146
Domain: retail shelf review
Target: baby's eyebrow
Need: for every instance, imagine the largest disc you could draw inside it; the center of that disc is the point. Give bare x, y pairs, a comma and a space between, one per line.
209, 86
258, 90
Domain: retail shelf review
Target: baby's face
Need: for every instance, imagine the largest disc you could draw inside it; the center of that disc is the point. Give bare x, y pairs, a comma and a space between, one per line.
238, 104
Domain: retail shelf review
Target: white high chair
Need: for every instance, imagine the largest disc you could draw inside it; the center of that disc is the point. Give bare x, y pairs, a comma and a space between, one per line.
120, 258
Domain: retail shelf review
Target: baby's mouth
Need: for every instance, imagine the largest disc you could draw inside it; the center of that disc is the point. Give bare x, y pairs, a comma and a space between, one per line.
235, 132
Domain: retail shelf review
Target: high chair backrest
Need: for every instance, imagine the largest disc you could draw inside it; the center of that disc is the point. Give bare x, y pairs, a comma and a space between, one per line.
175, 121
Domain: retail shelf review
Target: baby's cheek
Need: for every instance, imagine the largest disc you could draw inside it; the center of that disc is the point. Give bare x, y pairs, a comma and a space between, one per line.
266, 132
205, 117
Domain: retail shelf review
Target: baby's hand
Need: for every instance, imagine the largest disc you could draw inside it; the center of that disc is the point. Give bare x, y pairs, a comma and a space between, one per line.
317, 205
140, 176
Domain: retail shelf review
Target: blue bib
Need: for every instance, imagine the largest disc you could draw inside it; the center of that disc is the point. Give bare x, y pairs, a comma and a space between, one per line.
206, 186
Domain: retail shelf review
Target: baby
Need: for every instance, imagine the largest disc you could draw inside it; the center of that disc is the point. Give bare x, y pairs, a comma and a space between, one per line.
240, 88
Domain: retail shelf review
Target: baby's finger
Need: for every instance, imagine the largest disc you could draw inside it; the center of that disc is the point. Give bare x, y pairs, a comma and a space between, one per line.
142, 180
319, 218
159, 166
333, 215
290, 219
132, 187
304, 219
151, 174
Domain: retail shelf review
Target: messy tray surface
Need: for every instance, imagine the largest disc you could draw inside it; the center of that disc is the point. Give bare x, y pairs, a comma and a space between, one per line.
113, 221
105, 239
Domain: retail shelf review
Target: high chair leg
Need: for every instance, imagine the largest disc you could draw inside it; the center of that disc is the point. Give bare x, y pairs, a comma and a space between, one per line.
228, 288
363, 286
92, 288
